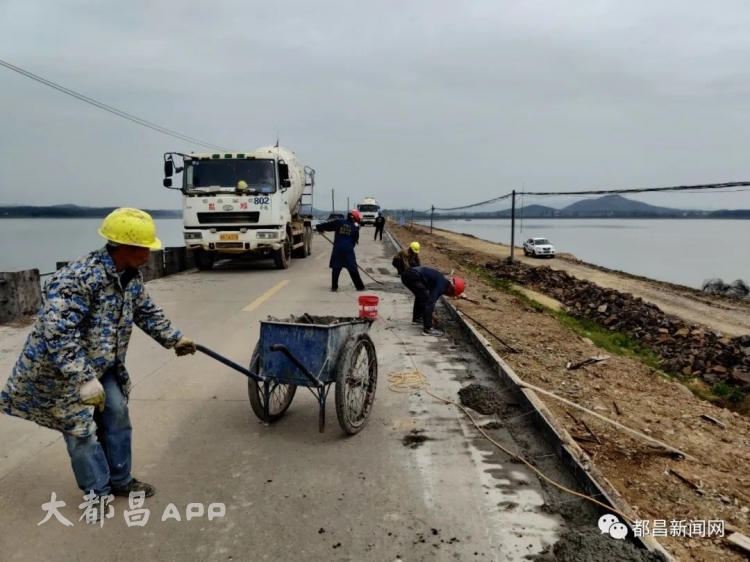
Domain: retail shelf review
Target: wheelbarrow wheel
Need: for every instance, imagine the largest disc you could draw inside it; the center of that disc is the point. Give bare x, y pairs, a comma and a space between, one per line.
356, 381
280, 395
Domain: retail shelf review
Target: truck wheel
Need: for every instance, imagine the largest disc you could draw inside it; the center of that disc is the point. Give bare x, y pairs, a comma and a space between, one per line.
283, 255
308, 240
204, 260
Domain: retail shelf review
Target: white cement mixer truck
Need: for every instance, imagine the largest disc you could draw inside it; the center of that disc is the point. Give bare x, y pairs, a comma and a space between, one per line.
368, 210
244, 203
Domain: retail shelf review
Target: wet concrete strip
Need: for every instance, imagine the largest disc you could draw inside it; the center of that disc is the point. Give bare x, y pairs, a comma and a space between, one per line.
578, 538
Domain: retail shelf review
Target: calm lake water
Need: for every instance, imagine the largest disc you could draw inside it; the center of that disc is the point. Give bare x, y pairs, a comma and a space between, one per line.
679, 251
40, 243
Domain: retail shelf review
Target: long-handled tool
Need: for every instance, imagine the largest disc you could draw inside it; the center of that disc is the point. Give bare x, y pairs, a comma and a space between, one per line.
359, 266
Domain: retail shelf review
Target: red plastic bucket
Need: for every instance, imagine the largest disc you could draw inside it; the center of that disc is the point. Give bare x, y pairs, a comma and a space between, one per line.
368, 307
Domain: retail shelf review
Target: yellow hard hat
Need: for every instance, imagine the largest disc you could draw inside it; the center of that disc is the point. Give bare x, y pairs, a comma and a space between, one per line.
414, 247
130, 227
242, 184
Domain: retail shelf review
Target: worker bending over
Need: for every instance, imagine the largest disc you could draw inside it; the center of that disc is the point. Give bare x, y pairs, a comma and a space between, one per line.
71, 376
379, 225
428, 285
406, 258
342, 256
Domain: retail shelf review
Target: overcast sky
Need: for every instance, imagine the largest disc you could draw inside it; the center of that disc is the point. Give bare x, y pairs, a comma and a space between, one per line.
414, 103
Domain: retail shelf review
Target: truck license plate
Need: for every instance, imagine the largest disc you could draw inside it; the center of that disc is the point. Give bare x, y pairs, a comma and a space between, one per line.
229, 237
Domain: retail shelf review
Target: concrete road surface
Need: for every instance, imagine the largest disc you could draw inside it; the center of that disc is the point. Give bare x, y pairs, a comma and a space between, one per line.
416, 484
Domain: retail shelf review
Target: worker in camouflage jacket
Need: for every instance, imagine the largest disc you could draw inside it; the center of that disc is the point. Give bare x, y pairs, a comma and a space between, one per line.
71, 374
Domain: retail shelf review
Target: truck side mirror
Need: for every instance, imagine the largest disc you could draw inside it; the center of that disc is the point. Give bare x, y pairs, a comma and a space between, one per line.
167, 182
168, 168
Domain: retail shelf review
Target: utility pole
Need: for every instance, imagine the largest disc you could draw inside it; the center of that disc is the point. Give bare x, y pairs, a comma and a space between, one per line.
412, 220
347, 205
513, 226
432, 215
333, 204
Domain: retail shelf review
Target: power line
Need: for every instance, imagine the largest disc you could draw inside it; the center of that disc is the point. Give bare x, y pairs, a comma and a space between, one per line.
108, 108
553, 194
702, 187
495, 200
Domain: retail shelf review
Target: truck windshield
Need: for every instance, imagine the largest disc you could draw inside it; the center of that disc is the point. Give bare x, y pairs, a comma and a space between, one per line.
205, 174
368, 208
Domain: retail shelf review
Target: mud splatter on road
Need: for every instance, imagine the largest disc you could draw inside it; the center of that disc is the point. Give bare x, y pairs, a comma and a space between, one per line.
414, 439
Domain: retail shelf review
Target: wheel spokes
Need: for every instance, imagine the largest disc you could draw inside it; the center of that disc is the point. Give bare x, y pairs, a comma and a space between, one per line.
278, 396
359, 387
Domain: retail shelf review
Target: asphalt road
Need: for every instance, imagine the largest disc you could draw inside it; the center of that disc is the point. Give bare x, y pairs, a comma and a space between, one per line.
290, 493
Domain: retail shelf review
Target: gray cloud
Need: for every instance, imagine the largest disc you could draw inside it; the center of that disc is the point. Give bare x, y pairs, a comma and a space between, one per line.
415, 103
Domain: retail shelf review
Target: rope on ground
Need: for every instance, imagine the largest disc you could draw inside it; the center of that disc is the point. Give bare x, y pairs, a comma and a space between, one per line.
490, 332
411, 382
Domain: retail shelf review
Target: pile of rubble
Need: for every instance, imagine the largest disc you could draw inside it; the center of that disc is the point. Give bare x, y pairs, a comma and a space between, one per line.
683, 348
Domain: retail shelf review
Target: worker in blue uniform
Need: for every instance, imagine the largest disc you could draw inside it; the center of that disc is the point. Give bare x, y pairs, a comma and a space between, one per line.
342, 256
379, 225
428, 285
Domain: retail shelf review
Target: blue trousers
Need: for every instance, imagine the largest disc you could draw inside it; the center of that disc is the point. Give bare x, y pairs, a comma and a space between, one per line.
103, 461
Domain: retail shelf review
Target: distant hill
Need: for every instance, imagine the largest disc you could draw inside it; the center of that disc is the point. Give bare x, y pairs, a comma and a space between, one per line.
730, 214
608, 206
616, 205
72, 212
531, 211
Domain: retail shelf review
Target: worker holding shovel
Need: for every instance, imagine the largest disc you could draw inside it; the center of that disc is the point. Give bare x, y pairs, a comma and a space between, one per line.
71, 376
428, 285
342, 256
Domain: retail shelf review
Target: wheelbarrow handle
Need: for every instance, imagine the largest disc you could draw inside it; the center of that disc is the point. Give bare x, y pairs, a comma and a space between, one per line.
297, 363
229, 363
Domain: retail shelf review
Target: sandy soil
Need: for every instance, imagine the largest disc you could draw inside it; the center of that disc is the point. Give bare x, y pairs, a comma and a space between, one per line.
731, 318
712, 487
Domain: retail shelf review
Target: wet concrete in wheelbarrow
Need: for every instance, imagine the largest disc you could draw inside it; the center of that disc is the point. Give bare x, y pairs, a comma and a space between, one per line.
318, 320
507, 482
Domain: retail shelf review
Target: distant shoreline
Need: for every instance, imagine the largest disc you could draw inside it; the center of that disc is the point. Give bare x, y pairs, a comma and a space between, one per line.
436, 219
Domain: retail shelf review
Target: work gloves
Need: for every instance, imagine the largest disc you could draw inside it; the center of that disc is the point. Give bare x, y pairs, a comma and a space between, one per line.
185, 347
92, 394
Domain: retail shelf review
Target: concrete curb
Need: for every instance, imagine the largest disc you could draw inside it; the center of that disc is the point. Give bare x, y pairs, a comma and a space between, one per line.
585, 472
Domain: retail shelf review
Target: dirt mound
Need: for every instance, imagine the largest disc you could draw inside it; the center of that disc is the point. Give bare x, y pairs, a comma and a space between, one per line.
482, 399
683, 348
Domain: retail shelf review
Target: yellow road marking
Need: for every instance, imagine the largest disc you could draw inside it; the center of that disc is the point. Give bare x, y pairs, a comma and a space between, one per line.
320, 257
265, 296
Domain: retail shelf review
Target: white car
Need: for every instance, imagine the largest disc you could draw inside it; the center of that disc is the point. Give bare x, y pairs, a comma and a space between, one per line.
538, 247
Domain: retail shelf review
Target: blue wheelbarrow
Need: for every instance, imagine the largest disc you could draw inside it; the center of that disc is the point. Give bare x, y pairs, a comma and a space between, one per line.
314, 353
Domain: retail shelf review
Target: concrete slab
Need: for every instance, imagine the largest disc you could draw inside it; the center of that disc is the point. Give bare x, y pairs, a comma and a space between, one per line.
289, 491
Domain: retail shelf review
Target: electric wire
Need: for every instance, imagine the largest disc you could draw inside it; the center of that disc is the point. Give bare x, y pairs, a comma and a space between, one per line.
108, 108
489, 201
685, 189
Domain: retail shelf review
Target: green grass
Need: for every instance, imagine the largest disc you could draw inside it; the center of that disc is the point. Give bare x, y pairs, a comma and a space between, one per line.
615, 343
721, 394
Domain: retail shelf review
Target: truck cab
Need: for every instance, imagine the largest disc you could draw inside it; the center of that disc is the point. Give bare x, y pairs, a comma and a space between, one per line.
368, 211
237, 203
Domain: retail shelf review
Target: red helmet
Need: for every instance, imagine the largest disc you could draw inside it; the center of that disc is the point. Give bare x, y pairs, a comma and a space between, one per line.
458, 286
355, 215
